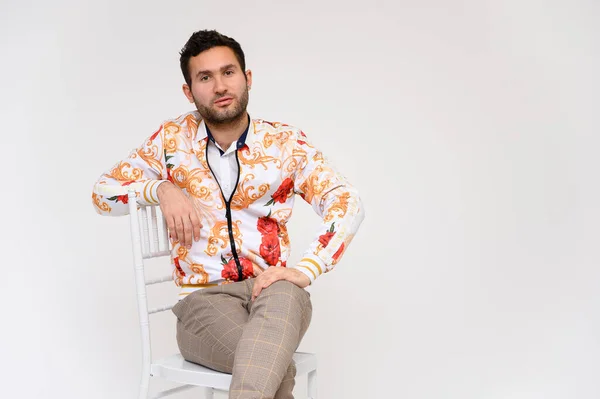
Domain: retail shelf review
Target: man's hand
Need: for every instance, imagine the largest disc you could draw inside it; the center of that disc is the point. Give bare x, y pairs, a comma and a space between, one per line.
273, 274
183, 219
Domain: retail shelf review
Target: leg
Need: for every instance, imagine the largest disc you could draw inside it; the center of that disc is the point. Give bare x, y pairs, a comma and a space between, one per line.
287, 385
312, 385
278, 319
210, 323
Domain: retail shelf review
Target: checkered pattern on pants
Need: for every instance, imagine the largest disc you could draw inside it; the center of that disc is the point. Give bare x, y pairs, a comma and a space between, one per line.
221, 328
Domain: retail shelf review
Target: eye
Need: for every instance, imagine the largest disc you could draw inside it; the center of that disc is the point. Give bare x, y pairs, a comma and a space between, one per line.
229, 72
204, 78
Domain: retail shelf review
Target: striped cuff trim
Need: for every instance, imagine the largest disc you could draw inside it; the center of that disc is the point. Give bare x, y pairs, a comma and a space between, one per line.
311, 261
310, 270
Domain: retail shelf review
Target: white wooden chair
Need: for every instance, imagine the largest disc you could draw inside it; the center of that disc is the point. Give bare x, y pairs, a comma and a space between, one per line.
150, 240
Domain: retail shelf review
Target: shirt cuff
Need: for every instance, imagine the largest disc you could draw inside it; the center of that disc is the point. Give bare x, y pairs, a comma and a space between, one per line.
311, 265
148, 192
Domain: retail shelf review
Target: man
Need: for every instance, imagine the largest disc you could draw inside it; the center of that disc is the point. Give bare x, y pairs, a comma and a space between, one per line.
226, 184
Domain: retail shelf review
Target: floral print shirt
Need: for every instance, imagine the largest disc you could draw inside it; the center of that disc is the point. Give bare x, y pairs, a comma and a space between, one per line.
246, 233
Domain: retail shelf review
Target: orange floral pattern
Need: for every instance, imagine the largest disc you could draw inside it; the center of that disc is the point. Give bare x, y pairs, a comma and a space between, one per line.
219, 237
101, 207
339, 208
246, 193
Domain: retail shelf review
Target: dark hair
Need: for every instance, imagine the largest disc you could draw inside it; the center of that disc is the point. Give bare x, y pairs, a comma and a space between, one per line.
205, 40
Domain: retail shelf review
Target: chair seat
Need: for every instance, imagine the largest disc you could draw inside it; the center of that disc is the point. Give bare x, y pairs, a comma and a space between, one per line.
176, 368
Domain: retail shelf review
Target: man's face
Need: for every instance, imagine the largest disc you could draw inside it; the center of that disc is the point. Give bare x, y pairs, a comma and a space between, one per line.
219, 86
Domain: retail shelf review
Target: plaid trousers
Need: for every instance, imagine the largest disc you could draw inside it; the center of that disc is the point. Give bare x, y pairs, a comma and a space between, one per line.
221, 328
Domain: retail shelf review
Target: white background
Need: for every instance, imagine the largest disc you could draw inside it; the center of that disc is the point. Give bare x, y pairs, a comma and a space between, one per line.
470, 128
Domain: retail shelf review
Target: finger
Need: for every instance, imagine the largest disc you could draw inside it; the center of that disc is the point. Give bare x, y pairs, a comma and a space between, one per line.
196, 225
171, 228
256, 289
254, 296
267, 283
179, 229
187, 231
266, 279
264, 283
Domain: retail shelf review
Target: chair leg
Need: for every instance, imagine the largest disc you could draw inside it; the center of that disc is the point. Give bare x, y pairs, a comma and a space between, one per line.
209, 393
144, 386
312, 385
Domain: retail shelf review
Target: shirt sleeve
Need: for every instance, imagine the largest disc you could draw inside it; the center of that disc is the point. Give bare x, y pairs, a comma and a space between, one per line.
143, 170
334, 199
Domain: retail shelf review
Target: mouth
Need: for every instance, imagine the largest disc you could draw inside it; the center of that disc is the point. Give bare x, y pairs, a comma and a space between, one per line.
224, 101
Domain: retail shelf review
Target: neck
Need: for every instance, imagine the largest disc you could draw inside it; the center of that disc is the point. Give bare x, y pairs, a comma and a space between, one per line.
227, 133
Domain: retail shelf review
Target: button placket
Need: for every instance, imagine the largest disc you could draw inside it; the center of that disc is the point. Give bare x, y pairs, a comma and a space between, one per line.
225, 177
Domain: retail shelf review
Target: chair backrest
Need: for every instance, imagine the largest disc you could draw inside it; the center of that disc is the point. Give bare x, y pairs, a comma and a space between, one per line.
149, 239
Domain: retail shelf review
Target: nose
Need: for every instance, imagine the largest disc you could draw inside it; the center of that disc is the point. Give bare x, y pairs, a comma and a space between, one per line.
220, 87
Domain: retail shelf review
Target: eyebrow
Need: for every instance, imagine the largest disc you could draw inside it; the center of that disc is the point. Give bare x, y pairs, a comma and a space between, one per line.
223, 68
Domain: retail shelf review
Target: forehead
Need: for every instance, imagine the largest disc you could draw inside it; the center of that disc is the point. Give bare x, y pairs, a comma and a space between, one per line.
212, 60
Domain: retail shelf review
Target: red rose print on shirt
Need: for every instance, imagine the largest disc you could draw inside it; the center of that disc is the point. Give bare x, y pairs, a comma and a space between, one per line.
269, 249
282, 192
123, 198
325, 238
155, 134
338, 253
178, 267
230, 271
267, 225
169, 166
169, 177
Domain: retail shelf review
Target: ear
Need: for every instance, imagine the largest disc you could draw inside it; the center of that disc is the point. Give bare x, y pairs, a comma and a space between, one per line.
249, 78
188, 93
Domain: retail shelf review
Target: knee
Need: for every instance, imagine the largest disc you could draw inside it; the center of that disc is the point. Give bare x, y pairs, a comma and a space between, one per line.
285, 287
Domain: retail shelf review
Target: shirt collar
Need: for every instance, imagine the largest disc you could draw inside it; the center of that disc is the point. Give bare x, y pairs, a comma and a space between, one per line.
245, 138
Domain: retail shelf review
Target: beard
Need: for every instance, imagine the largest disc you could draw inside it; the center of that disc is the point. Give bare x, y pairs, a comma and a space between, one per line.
227, 115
